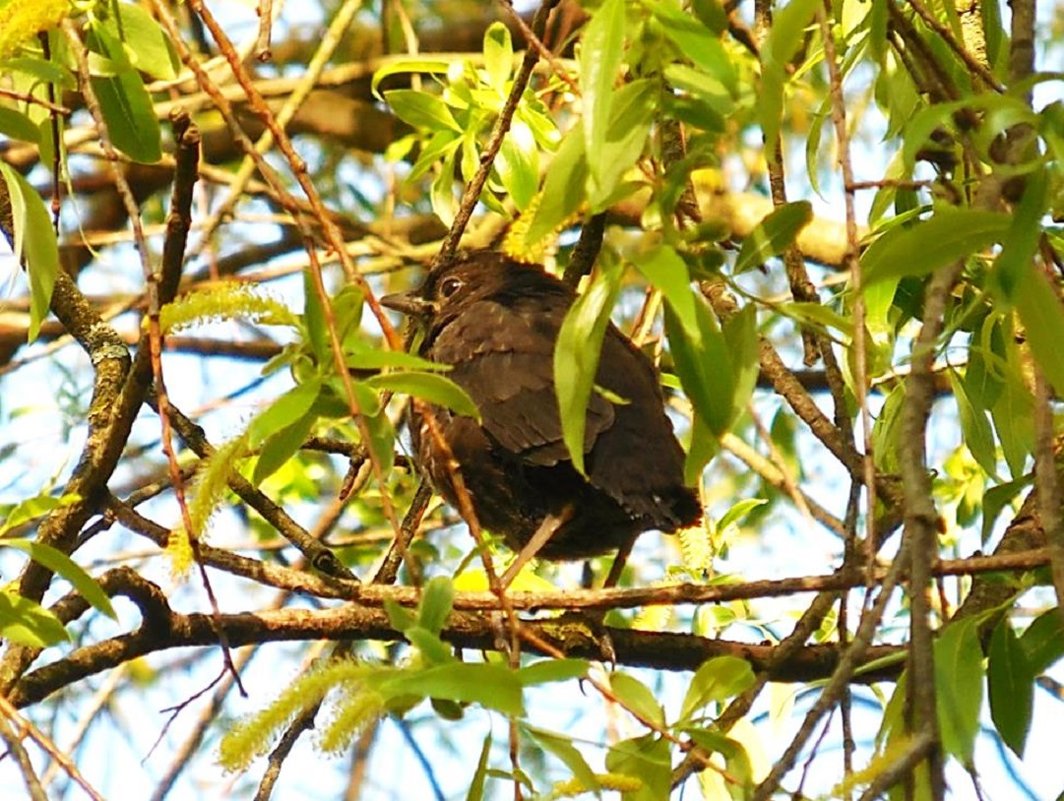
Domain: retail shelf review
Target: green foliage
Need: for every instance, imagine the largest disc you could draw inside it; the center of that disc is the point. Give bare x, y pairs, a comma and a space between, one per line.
576, 355
451, 127
35, 244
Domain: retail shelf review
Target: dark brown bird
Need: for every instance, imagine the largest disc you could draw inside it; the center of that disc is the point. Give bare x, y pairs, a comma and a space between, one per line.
496, 322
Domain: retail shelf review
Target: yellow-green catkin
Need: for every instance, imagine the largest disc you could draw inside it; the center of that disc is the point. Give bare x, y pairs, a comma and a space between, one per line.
23, 19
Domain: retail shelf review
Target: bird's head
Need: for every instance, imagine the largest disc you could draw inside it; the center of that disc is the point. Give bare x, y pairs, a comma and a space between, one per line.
452, 286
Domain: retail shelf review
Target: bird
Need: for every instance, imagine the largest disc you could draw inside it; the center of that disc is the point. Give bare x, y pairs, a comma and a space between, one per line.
495, 322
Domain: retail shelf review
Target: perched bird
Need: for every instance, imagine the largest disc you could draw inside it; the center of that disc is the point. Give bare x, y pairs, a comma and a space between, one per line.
496, 322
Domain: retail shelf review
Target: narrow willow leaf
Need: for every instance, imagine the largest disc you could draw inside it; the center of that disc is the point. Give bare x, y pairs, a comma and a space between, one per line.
421, 110
146, 43
125, 103
1011, 684
284, 411
491, 686
697, 42
28, 623
1012, 267
35, 244
551, 670
563, 190
666, 272
282, 445
975, 426
600, 60
576, 355
404, 66
773, 235
959, 687
436, 601
16, 125
783, 41
498, 55
703, 366
480, 775
637, 697
562, 747
431, 387
1042, 314
647, 759
932, 243
62, 565
717, 679
1043, 642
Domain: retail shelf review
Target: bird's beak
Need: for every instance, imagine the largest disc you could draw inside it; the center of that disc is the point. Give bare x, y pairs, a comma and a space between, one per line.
409, 304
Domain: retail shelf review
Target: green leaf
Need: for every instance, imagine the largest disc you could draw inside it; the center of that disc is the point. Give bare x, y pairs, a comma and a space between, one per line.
421, 110
959, 687
1011, 684
284, 411
1043, 642
666, 272
16, 125
562, 747
703, 366
647, 759
281, 446
740, 774
738, 511
975, 427
773, 235
1042, 315
41, 69
32, 508
362, 356
1013, 265
636, 697
476, 787
740, 337
35, 244
313, 319
602, 48
550, 670
127, 110
717, 679
563, 189
431, 387
1013, 414
436, 602
381, 440
441, 193
124, 102
518, 165
62, 565
927, 245
147, 45
491, 686
434, 651
631, 116
498, 55
703, 448
403, 66
697, 42
995, 499
401, 618
784, 38
28, 623
576, 355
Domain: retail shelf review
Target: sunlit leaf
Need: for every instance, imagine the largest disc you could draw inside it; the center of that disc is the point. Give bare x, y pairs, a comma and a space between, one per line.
576, 355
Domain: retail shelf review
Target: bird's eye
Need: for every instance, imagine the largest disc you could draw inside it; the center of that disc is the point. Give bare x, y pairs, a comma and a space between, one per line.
449, 286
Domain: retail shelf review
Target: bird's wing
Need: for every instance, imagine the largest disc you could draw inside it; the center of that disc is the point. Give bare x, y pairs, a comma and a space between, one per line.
503, 356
